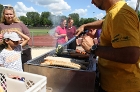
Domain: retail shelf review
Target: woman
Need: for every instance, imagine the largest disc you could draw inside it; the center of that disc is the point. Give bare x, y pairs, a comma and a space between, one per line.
9, 21
71, 31
60, 33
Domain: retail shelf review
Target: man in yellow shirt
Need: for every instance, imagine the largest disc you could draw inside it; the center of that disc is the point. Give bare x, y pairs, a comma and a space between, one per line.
119, 48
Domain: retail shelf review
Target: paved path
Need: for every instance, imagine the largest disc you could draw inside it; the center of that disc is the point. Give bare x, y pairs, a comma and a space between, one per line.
37, 51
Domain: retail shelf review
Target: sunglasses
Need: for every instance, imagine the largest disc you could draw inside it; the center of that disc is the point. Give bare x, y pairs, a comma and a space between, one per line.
8, 7
14, 41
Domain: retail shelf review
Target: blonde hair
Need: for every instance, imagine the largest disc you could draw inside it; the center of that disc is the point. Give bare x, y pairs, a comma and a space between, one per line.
15, 19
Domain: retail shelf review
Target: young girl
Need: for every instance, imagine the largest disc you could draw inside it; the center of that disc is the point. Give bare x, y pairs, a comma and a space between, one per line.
10, 57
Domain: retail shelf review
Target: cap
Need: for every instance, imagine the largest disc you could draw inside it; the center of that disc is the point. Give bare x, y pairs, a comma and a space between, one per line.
12, 36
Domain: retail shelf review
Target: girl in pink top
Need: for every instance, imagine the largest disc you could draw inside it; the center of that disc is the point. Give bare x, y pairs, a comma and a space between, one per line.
60, 33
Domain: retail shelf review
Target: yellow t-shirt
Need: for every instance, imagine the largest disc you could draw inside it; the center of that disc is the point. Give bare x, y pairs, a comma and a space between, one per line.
120, 29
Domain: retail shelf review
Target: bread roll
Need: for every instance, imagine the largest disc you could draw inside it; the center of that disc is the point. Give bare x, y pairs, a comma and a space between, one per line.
65, 59
60, 61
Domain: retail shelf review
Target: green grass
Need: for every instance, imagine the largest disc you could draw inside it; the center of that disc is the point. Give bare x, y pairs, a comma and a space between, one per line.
36, 32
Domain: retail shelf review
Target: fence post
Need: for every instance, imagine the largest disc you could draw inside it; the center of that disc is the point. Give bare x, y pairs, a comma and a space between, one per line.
32, 37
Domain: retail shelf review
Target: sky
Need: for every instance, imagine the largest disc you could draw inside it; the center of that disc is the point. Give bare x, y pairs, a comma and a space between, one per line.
60, 7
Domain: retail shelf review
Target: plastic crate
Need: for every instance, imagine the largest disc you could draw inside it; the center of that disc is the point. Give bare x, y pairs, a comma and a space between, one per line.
31, 82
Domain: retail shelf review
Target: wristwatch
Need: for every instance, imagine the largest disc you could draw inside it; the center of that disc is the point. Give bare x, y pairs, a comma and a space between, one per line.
93, 48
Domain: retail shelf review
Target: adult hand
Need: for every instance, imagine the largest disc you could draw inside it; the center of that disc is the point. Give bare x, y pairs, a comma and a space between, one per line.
79, 30
87, 43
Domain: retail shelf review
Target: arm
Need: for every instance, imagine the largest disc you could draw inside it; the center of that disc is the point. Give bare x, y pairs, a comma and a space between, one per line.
58, 36
1, 36
95, 25
66, 38
123, 50
25, 37
128, 55
1, 39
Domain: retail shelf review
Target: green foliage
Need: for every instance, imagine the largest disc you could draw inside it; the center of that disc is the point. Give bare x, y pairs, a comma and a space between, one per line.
44, 19
1, 8
24, 19
47, 19
89, 20
33, 18
86, 20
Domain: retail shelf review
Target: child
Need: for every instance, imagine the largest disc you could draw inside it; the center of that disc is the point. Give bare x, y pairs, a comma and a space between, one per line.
10, 57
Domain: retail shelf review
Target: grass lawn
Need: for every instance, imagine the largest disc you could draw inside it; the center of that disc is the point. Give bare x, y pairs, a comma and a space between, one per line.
36, 32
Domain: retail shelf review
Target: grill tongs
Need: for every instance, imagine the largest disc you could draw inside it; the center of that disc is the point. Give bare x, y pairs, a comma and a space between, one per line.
59, 49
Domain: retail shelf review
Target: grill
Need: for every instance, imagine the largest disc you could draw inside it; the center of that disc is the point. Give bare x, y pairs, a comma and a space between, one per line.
62, 79
38, 60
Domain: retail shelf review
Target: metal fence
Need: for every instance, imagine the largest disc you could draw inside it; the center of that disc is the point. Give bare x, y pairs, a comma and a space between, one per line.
42, 40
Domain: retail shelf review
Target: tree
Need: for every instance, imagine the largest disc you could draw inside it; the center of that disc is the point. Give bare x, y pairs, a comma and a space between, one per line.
88, 20
24, 19
1, 8
33, 18
81, 21
48, 19
44, 19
